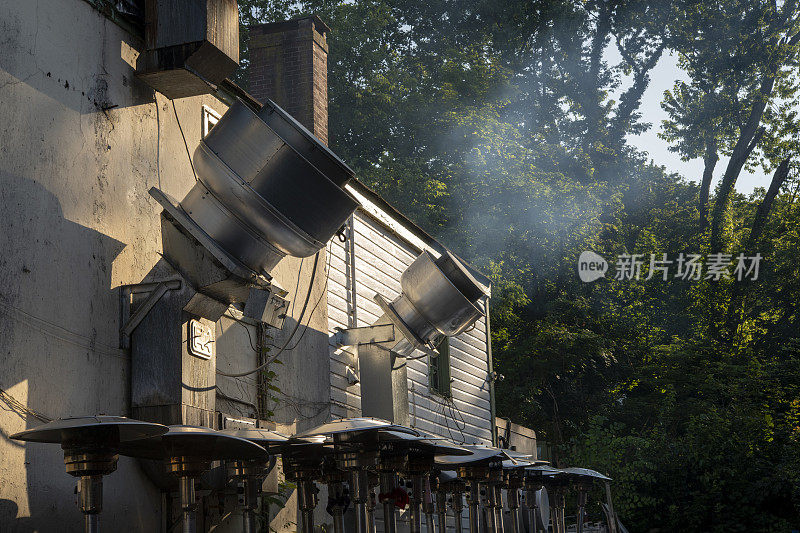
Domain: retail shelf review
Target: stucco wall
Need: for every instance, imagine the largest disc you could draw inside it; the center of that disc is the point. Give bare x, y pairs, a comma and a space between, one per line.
81, 142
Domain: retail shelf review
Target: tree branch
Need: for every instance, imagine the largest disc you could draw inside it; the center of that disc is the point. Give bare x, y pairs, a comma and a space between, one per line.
749, 136
734, 314
710, 162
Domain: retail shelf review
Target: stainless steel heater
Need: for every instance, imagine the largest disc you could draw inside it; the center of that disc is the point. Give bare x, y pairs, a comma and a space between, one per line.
91, 445
479, 469
251, 473
187, 452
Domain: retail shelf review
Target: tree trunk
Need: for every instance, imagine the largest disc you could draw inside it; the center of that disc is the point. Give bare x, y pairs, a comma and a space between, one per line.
710, 161
757, 229
749, 136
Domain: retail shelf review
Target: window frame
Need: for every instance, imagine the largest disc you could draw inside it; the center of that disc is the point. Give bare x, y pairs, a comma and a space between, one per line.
439, 373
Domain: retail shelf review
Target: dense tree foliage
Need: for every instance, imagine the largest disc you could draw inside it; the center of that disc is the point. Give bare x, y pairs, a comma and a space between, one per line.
503, 128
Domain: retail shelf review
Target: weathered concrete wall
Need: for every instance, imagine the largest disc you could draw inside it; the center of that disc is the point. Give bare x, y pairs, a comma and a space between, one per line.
81, 142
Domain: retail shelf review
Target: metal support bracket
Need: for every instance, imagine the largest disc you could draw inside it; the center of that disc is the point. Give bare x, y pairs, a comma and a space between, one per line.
366, 335
131, 321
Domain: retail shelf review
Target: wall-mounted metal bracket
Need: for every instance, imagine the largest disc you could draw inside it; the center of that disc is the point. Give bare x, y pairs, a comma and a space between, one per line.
366, 335
352, 376
130, 321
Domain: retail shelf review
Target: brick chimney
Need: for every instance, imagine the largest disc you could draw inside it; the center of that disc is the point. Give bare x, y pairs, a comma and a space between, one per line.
289, 65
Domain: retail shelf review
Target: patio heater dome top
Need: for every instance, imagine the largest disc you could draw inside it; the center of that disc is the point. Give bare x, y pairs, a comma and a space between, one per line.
100, 429
193, 442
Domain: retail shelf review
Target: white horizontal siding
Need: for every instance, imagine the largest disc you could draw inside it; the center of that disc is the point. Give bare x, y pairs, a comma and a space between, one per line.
380, 259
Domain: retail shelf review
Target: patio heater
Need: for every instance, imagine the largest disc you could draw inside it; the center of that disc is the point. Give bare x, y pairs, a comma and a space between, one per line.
302, 464
514, 481
448, 482
91, 446
583, 479
484, 466
422, 451
251, 473
536, 497
358, 445
187, 452
338, 495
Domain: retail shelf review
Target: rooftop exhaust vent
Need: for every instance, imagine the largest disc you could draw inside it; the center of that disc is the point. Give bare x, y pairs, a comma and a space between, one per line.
441, 297
267, 187
190, 45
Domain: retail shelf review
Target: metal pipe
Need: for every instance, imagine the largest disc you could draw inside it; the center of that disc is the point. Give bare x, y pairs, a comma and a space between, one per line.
335, 494
415, 505
307, 500
371, 512
359, 480
513, 506
430, 524
498, 508
532, 508
441, 510
338, 521
251, 487
428, 506
188, 503
458, 508
90, 500
91, 523
581, 510
491, 505
473, 500
389, 517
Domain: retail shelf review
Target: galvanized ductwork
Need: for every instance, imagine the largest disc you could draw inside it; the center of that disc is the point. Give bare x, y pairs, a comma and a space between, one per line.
267, 187
441, 297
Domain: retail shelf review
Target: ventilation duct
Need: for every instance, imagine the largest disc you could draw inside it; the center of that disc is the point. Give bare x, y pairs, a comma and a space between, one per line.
266, 188
190, 45
441, 297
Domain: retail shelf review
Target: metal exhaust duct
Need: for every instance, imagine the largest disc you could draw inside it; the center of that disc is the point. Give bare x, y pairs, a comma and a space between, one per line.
441, 297
266, 188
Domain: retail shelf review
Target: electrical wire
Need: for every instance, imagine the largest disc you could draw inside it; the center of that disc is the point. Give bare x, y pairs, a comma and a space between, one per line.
185, 144
291, 335
313, 309
20, 408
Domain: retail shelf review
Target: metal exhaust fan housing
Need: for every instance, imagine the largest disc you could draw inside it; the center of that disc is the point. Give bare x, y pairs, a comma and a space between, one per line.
266, 188
440, 297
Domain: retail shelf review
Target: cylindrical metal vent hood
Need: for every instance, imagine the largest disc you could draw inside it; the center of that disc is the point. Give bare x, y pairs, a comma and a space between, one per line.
440, 297
267, 187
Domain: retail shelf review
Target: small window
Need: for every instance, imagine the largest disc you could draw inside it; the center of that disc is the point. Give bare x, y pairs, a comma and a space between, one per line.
210, 119
439, 370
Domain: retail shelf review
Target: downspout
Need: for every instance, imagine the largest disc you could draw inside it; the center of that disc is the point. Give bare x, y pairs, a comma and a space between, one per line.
490, 371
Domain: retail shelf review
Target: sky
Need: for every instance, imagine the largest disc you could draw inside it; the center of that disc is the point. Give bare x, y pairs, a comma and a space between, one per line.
663, 77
